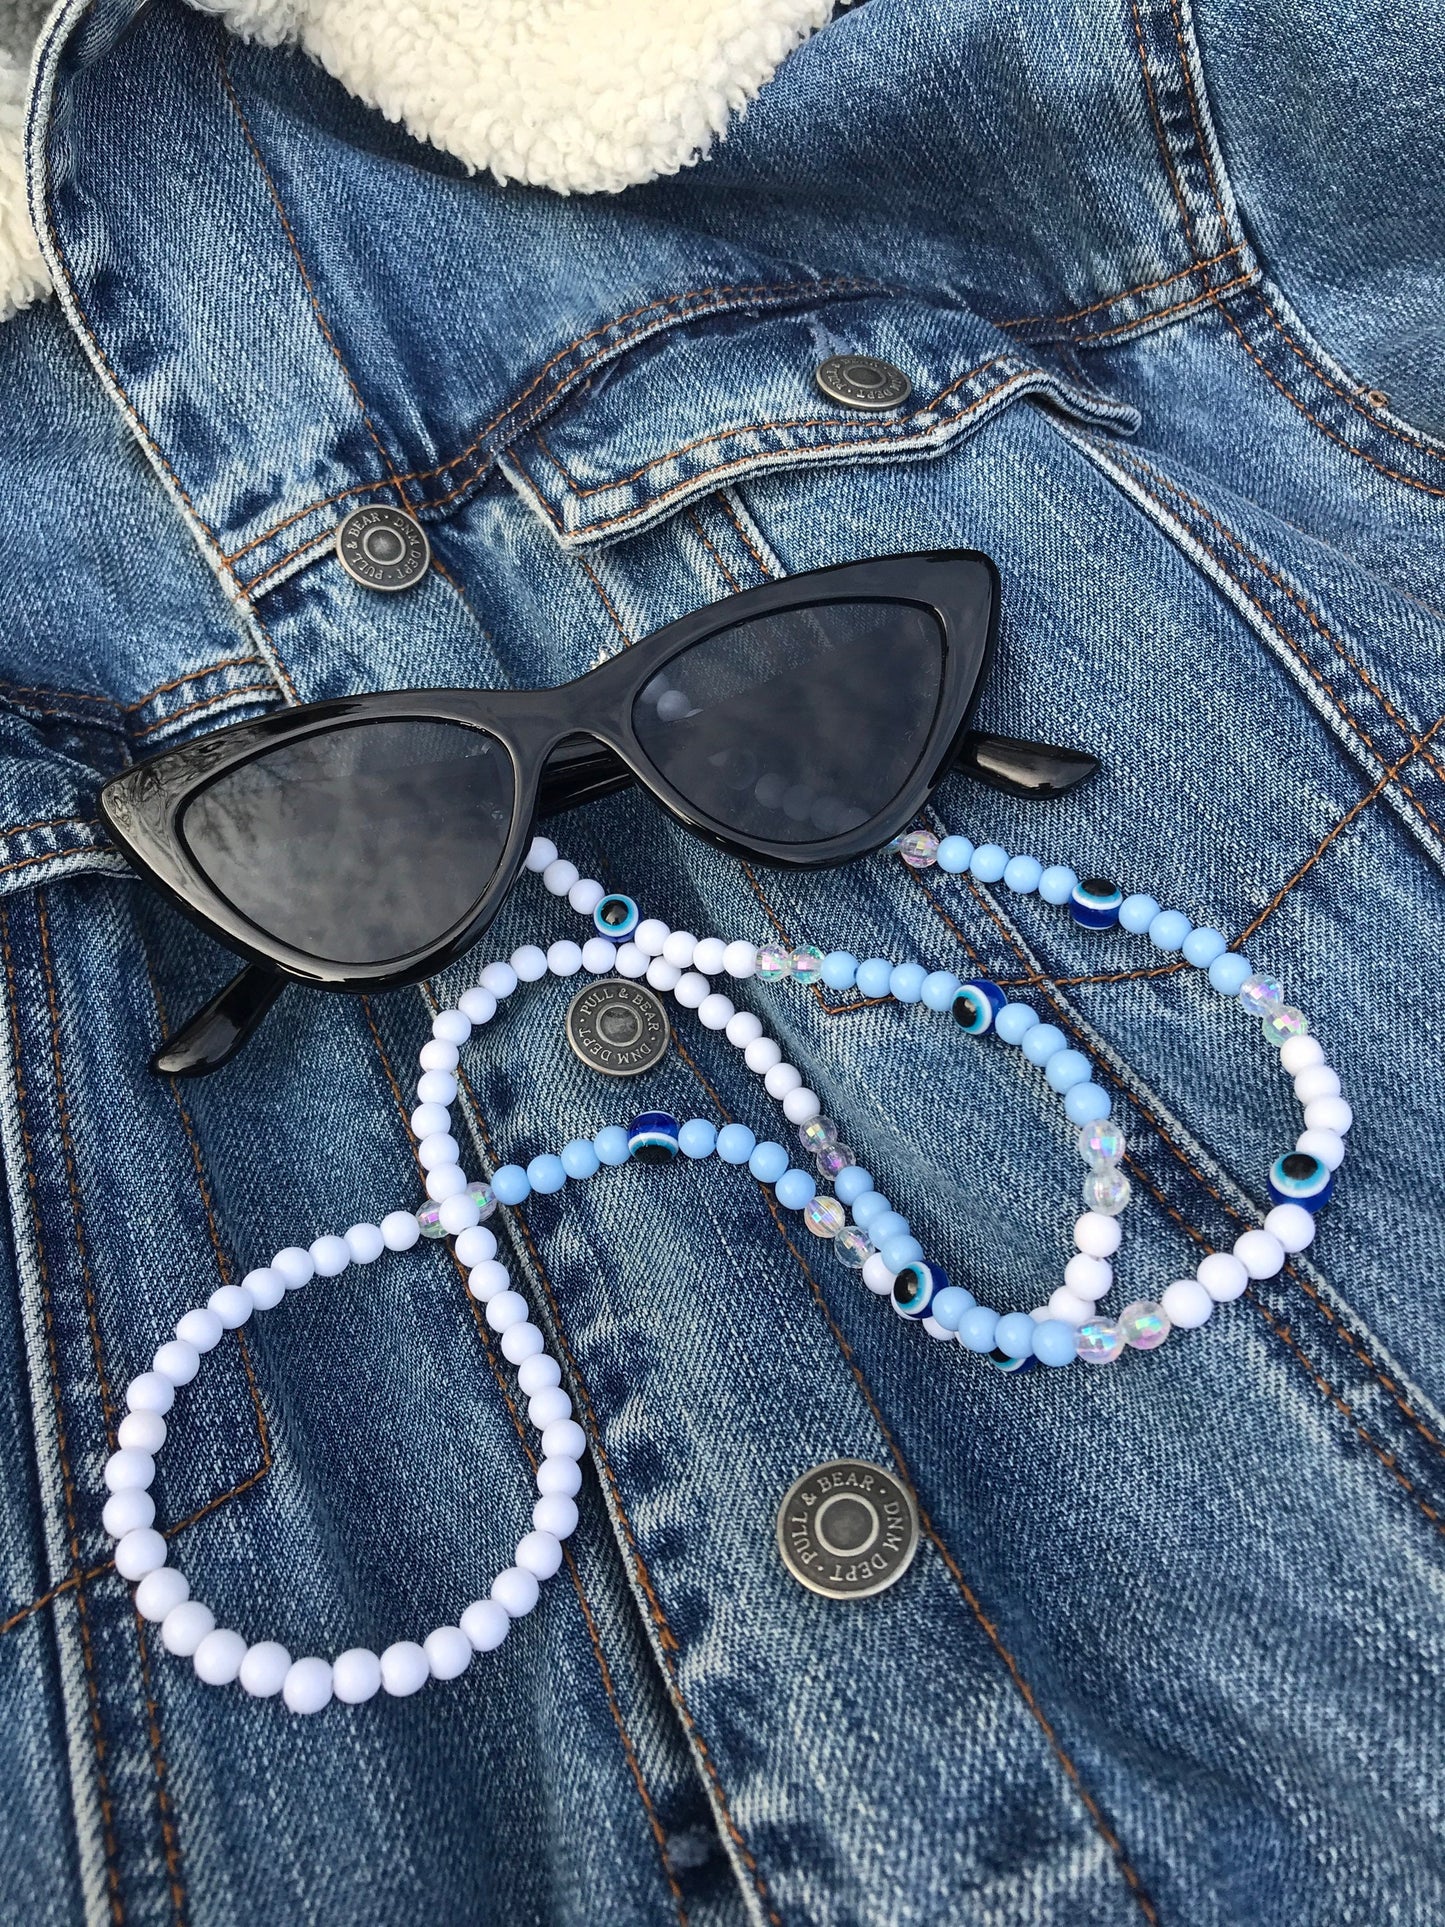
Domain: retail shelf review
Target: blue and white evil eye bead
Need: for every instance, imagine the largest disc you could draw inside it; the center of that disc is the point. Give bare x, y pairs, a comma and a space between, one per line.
916, 1287
616, 917
977, 1004
1300, 1178
652, 1138
1001, 1362
1095, 903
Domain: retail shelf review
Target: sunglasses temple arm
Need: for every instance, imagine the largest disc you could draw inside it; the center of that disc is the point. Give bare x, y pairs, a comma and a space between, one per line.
1031, 770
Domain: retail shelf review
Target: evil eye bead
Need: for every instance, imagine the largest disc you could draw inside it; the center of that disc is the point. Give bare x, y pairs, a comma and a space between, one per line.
1095, 903
652, 1138
977, 1004
916, 1287
616, 917
1001, 1362
1300, 1178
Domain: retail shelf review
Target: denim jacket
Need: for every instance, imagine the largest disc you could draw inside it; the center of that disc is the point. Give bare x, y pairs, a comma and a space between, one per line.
1166, 278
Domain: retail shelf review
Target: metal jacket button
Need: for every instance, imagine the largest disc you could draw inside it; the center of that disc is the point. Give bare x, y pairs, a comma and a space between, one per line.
383, 549
847, 1529
862, 381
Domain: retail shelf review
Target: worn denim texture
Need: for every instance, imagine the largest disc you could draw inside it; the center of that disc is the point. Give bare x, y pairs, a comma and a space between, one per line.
1172, 1648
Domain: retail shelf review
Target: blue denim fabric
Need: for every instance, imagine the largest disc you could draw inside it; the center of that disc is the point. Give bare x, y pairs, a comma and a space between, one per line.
1172, 1649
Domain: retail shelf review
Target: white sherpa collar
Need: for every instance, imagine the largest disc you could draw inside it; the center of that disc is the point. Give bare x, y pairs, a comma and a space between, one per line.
583, 96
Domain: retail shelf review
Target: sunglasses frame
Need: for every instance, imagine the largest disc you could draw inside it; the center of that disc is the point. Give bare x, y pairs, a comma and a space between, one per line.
144, 806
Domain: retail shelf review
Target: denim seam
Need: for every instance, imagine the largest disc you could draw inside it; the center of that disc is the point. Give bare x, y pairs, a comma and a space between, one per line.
743, 536
268, 689
606, 600
1202, 145
1179, 307
191, 675
1358, 402
1117, 300
723, 570
1161, 136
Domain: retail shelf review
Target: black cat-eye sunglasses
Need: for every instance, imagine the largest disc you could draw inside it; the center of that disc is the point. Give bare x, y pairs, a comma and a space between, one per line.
365, 843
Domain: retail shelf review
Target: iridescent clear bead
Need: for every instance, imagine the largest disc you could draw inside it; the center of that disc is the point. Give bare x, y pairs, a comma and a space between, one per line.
824, 1217
819, 1133
430, 1219
919, 849
1101, 1144
892, 849
1144, 1324
1107, 1191
836, 1158
481, 1196
808, 964
1282, 1024
853, 1247
1260, 995
1099, 1342
774, 963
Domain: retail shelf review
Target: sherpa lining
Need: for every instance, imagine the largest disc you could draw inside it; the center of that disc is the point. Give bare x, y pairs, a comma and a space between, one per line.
582, 96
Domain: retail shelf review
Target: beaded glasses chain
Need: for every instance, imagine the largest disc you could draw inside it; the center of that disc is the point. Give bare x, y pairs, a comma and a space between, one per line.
878, 1242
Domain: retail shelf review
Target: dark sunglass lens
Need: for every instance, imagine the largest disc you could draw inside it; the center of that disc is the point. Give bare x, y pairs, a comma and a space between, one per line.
799, 726
360, 845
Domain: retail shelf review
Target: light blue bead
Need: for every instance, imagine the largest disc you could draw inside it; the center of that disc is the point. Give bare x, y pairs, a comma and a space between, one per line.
871, 1206
905, 982
1228, 972
580, 1159
1066, 1068
1058, 883
546, 1174
955, 853
940, 988
889, 1224
611, 1145
510, 1184
1042, 1041
768, 1161
735, 1143
977, 1329
850, 1185
1169, 929
1084, 1103
950, 1304
697, 1138
794, 1188
1015, 1334
840, 968
990, 860
898, 1252
1136, 913
1202, 946
1054, 1342
1015, 1021
1022, 874
873, 975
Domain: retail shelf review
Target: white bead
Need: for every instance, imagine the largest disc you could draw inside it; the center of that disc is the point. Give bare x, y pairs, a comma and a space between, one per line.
185, 1626
556, 1514
678, 947
485, 1624
404, 1669
400, 1230
356, 1676
515, 1591
487, 1279
439, 1149
448, 1652
539, 1375
540, 1553
500, 979
1260, 1252
662, 975
716, 1012
150, 1391
128, 1512
201, 1328
177, 1361
529, 961
1068, 1305
631, 961
564, 958
447, 1181
265, 1287
1327, 1146
478, 1006
781, 1079
691, 990
740, 960
1087, 1275
365, 1243
1292, 1225
475, 1245
563, 1476
438, 1055
564, 1439
598, 956
160, 1592
141, 1551
1318, 1081
762, 1054
585, 895
1222, 1276
1097, 1235
458, 1213
1187, 1304
330, 1257
708, 956
141, 1432
744, 1029
650, 936
231, 1305
520, 1342
450, 1027
800, 1104
559, 876
429, 1120
1299, 1053
876, 1275
1329, 1114
437, 1087
128, 1471
219, 1657
935, 1330
507, 1308
295, 1265
307, 1686
542, 852
264, 1669
548, 1404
